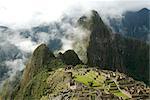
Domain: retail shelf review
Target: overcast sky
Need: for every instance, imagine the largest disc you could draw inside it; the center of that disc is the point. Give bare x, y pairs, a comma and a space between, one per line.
31, 12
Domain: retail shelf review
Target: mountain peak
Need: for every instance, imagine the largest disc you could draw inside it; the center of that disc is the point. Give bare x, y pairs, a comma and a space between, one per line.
94, 13
98, 27
95, 24
40, 58
41, 55
144, 10
70, 58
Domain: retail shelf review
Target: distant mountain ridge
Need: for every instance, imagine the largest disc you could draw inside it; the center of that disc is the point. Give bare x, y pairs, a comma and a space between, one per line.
134, 24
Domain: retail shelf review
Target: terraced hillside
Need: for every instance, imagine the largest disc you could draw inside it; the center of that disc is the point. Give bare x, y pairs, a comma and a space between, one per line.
82, 83
93, 83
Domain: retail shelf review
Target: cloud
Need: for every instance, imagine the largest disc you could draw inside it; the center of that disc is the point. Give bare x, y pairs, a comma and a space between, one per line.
14, 66
24, 13
24, 44
15, 49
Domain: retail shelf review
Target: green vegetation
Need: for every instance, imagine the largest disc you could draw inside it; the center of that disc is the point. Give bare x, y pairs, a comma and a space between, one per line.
55, 64
90, 77
36, 88
120, 94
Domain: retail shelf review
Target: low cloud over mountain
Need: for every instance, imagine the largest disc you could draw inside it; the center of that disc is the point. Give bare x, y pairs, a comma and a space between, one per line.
24, 28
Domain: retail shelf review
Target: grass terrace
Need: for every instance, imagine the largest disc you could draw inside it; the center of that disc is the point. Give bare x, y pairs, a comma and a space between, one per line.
95, 80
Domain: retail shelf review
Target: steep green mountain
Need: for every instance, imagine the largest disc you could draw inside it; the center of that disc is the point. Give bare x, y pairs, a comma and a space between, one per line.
41, 57
47, 78
114, 51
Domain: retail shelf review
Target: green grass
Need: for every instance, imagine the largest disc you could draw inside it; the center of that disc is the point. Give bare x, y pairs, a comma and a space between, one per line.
113, 84
120, 94
114, 90
89, 77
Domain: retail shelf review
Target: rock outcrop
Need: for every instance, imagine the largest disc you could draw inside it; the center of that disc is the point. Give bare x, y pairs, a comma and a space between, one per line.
70, 58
